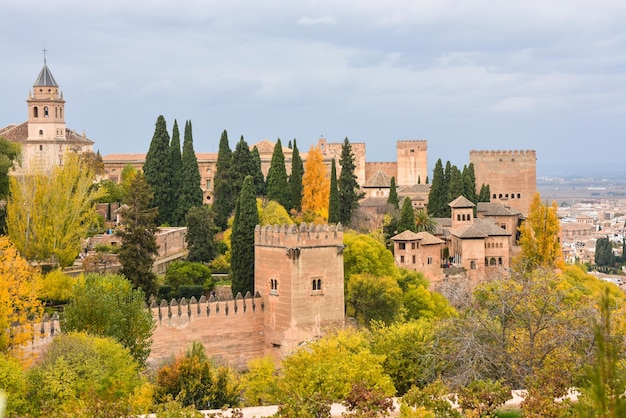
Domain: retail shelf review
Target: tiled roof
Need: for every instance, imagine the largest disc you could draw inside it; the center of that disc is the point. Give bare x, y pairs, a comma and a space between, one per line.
45, 78
416, 188
379, 179
124, 157
496, 209
373, 202
480, 228
266, 146
405, 236
423, 237
461, 202
15, 133
468, 231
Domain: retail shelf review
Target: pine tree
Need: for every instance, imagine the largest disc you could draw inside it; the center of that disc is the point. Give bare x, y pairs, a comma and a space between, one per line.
177, 175
158, 172
277, 186
139, 244
393, 194
333, 200
243, 165
223, 197
242, 241
200, 233
485, 193
348, 187
259, 180
437, 193
295, 180
469, 183
456, 187
407, 217
191, 194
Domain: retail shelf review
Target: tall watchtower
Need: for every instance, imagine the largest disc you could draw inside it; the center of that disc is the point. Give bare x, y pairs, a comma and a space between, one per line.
299, 274
46, 109
412, 157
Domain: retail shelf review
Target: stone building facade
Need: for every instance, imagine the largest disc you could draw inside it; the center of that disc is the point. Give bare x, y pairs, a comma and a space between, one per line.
43, 137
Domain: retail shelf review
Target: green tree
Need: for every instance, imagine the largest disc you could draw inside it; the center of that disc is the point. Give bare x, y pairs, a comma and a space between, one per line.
485, 193
333, 204
407, 217
370, 298
191, 194
455, 187
200, 236
277, 185
186, 273
47, 215
349, 194
242, 240
108, 306
259, 180
177, 175
260, 382
424, 222
126, 177
81, 375
138, 241
272, 213
243, 165
223, 194
604, 253
13, 387
469, 183
112, 191
438, 193
295, 180
194, 380
9, 153
364, 254
393, 194
158, 172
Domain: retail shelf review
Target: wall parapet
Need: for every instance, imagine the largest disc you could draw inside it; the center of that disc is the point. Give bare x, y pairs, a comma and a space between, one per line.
527, 154
293, 236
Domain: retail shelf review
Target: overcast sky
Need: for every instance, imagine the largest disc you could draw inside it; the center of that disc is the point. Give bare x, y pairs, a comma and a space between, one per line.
548, 75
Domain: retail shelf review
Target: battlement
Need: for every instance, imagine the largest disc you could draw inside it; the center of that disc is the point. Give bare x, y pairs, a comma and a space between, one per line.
525, 155
293, 236
403, 143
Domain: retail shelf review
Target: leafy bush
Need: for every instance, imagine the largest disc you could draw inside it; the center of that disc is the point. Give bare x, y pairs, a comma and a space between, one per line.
187, 291
181, 273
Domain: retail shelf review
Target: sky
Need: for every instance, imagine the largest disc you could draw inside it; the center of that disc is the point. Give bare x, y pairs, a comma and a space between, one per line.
547, 75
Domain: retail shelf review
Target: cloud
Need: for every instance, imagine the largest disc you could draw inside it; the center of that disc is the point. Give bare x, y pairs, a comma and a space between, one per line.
322, 20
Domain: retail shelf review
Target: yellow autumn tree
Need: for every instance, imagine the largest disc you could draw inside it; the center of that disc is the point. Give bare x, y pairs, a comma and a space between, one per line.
47, 214
315, 184
19, 286
539, 237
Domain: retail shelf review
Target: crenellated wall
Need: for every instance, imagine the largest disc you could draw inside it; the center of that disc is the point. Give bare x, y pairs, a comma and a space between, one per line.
511, 175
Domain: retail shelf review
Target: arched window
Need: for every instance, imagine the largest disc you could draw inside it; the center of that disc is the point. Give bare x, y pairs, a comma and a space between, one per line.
46, 112
314, 284
492, 261
499, 261
506, 195
494, 196
319, 284
41, 132
486, 261
458, 217
519, 196
35, 112
500, 196
512, 195
472, 265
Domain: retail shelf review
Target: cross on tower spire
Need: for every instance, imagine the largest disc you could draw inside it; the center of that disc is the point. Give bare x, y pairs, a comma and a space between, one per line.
44, 53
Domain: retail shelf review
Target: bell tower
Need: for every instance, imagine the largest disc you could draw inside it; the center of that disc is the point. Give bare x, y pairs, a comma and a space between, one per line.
46, 108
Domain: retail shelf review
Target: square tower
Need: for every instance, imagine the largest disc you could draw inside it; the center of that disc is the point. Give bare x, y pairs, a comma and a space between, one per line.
299, 274
412, 162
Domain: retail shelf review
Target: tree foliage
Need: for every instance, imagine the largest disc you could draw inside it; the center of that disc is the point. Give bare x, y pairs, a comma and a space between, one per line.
407, 217
438, 192
365, 254
272, 213
157, 169
200, 236
243, 166
393, 199
108, 306
333, 198
469, 183
315, 184
47, 215
349, 194
373, 298
138, 241
277, 184
19, 288
259, 180
295, 179
9, 153
604, 255
223, 194
186, 273
191, 194
176, 181
242, 241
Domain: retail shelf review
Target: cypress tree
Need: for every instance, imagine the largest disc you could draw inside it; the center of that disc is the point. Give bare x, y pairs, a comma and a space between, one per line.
289, 146
191, 194
277, 186
456, 187
200, 233
259, 180
333, 200
447, 173
407, 217
243, 165
485, 193
437, 193
469, 183
295, 180
158, 171
242, 241
348, 186
223, 197
177, 168
393, 194
138, 241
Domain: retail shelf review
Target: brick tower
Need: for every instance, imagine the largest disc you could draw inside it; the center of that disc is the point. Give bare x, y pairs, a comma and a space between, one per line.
412, 162
299, 274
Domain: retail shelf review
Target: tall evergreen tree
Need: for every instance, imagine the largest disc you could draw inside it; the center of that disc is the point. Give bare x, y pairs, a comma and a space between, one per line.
242, 240
485, 193
348, 187
455, 187
139, 244
158, 171
333, 200
177, 175
277, 186
295, 180
223, 197
438, 193
469, 183
243, 165
407, 217
200, 233
393, 194
259, 180
191, 194
604, 253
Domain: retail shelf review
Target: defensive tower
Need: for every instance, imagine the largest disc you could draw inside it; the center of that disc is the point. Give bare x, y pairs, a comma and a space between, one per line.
412, 156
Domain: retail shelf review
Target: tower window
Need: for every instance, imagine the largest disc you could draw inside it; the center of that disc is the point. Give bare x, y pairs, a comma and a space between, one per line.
35, 112
40, 147
316, 284
41, 132
46, 112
